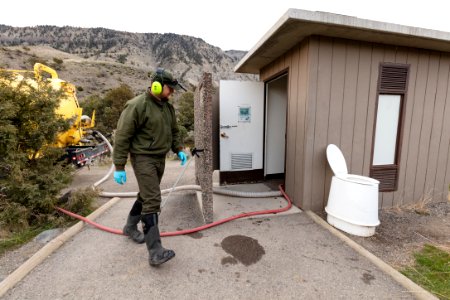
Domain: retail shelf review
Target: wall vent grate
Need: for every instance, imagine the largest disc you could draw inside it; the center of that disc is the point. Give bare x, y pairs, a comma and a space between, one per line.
241, 161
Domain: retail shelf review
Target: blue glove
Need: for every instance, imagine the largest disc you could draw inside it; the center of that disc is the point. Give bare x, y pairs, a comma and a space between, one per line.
120, 177
182, 157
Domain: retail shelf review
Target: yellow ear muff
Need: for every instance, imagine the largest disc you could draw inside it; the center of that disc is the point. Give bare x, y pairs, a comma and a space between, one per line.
156, 87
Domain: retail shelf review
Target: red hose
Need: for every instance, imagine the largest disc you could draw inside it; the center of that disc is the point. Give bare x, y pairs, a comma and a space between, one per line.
104, 228
187, 231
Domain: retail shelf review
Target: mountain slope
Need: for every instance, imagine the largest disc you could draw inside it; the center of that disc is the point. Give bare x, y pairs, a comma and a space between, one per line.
97, 59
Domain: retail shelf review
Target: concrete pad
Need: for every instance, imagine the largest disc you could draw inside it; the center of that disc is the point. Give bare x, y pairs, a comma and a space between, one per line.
293, 258
225, 206
278, 257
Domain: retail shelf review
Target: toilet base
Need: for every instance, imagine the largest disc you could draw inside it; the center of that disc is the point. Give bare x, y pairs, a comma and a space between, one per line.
354, 229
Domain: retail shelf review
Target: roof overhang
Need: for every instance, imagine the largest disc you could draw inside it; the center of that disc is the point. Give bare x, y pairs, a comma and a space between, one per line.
296, 25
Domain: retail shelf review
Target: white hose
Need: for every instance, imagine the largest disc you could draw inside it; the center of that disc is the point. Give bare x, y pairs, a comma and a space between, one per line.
216, 190
112, 166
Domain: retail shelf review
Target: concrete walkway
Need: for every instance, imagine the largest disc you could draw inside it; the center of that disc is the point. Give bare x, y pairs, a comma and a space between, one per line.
271, 257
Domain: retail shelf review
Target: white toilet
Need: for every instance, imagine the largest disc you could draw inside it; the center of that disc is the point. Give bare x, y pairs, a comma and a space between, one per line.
353, 200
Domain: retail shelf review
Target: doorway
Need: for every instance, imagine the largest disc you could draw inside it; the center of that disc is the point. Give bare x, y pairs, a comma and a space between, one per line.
275, 127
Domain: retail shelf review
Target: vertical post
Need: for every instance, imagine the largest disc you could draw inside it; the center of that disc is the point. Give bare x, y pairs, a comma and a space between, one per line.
203, 140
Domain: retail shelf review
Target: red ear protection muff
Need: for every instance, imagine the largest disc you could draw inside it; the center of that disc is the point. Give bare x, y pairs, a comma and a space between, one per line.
157, 84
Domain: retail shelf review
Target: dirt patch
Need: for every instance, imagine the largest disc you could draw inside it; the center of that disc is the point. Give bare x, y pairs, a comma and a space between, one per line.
404, 231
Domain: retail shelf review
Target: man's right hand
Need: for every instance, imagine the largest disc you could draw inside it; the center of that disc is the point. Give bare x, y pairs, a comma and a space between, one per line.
120, 177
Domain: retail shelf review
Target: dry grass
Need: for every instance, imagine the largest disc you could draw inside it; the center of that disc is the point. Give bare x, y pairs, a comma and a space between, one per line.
420, 207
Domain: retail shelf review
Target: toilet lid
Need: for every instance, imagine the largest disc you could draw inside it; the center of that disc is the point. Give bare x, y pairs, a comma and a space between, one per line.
336, 160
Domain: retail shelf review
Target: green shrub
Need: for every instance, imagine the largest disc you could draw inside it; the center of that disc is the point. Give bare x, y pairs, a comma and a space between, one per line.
31, 175
80, 201
108, 108
57, 60
186, 110
122, 58
34, 59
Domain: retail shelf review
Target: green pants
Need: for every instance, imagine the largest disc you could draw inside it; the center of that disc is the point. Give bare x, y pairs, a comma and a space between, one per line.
148, 171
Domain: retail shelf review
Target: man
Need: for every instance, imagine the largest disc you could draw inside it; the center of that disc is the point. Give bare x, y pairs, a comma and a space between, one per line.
147, 130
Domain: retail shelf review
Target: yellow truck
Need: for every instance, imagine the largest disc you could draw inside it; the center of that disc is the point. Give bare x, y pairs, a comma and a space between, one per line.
81, 142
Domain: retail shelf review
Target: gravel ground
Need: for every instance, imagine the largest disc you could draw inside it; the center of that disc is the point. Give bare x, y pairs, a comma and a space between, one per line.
403, 231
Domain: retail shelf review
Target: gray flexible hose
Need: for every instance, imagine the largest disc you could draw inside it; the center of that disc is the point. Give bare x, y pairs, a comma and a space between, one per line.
216, 190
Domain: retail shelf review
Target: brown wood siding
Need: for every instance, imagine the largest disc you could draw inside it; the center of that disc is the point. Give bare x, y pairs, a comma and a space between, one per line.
417, 96
420, 190
442, 178
295, 62
300, 90
351, 75
338, 66
444, 146
321, 125
332, 98
355, 163
412, 60
433, 182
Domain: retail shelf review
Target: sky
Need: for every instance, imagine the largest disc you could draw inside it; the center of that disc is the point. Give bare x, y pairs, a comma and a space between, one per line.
227, 24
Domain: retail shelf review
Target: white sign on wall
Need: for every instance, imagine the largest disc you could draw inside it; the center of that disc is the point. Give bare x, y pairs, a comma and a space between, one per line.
245, 114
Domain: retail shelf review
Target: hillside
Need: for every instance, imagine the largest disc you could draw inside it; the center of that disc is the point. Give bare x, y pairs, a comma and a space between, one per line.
98, 59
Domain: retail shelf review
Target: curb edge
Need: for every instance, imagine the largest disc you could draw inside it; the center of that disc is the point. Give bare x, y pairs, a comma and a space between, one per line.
416, 290
23, 270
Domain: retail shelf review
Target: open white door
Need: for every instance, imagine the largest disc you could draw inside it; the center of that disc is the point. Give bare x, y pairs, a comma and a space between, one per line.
241, 125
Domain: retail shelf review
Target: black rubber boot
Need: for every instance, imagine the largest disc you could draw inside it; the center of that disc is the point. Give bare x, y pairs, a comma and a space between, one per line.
157, 254
130, 229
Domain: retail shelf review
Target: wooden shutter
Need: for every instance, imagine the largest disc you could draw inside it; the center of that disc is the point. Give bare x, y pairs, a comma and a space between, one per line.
393, 80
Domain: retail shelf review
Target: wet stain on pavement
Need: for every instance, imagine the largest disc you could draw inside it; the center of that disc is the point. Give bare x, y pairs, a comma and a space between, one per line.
259, 222
195, 235
243, 248
367, 278
229, 260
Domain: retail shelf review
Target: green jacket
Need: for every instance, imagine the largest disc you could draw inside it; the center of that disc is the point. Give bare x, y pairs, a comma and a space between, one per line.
146, 126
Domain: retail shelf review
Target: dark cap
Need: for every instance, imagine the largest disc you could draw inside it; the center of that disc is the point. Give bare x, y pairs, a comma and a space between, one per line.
165, 77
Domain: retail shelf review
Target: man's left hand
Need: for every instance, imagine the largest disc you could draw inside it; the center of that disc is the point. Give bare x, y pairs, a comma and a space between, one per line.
182, 157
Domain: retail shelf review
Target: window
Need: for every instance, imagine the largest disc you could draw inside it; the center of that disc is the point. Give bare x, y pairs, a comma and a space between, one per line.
386, 130
391, 96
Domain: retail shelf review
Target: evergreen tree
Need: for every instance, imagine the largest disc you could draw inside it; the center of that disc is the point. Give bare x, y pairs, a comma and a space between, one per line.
108, 108
186, 111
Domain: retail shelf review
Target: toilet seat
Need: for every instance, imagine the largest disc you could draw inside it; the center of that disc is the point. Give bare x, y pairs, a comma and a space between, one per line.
357, 179
338, 165
336, 160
